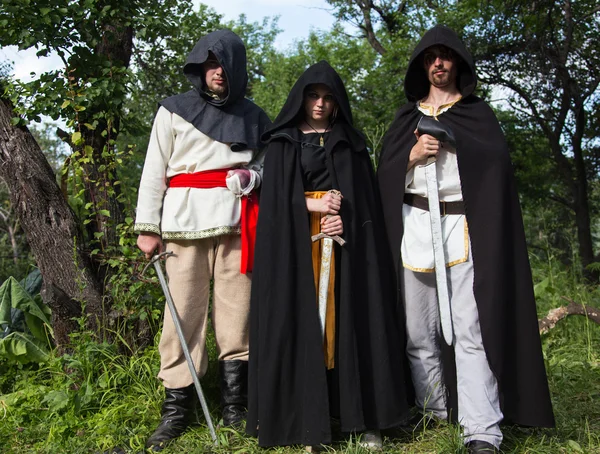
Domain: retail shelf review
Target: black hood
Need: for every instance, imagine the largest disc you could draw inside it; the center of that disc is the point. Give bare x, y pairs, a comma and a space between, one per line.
319, 73
293, 109
416, 83
231, 53
234, 120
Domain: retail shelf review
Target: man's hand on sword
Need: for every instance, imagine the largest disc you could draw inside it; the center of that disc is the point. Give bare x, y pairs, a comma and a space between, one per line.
150, 243
425, 147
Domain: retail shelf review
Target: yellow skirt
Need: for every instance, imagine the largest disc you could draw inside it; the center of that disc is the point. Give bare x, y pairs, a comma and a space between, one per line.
315, 227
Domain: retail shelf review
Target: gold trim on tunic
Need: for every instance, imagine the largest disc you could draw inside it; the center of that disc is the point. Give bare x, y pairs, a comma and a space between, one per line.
431, 109
315, 227
449, 264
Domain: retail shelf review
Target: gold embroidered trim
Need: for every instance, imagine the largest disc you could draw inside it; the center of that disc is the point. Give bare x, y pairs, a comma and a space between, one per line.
431, 109
466, 257
146, 228
208, 233
449, 264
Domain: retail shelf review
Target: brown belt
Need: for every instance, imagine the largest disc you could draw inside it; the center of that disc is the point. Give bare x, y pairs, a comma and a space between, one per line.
445, 207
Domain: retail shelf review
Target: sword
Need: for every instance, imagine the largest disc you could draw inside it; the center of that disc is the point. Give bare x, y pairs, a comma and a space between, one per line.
326, 253
441, 132
186, 352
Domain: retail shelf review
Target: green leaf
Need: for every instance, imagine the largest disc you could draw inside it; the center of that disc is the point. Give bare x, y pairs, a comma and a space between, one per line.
65, 104
57, 400
13, 295
32, 283
574, 446
5, 305
37, 327
45, 11
541, 287
23, 348
76, 138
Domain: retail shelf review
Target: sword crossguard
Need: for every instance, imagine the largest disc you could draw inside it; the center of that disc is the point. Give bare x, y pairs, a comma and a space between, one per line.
338, 239
155, 258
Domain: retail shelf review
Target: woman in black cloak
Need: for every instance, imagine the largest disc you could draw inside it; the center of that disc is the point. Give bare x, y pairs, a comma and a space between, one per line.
299, 378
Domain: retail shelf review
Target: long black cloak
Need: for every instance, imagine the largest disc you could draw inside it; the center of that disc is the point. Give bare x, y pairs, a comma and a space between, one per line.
234, 119
503, 284
288, 390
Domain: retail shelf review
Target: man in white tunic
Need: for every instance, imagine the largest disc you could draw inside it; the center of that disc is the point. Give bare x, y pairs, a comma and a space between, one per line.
498, 371
197, 199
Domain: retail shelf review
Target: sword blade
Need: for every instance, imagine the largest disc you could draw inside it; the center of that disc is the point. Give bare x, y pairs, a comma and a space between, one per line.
438, 252
184, 346
326, 252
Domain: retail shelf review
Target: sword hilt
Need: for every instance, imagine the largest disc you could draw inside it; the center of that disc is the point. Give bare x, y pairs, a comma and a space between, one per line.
338, 239
155, 258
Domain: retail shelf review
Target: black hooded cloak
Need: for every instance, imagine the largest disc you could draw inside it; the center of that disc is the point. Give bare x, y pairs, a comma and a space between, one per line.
289, 397
234, 119
502, 283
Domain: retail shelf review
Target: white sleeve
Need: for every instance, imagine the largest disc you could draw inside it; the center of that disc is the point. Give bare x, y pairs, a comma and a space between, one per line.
255, 167
154, 181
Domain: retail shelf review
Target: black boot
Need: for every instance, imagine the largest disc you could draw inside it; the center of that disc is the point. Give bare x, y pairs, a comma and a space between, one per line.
481, 447
234, 391
177, 414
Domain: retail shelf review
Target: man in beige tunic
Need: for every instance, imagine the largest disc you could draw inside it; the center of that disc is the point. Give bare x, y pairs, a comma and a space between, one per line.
197, 199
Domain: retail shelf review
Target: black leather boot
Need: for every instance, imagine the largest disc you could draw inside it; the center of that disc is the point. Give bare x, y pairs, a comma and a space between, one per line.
234, 391
481, 447
178, 411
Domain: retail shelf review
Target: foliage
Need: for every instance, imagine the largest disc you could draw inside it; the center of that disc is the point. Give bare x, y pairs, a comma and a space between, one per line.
96, 399
543, 54
15, 258
25, 321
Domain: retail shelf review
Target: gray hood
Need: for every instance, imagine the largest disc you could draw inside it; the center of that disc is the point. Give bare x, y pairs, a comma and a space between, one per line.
234, 120
231, 53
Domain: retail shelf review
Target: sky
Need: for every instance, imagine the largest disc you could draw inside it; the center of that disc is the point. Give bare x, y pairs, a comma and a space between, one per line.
297, 18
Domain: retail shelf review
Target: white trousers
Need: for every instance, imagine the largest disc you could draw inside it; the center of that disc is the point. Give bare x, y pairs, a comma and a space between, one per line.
479, 411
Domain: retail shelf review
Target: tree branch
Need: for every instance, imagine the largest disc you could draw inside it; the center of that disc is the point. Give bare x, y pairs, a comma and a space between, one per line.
555, 315
365, 7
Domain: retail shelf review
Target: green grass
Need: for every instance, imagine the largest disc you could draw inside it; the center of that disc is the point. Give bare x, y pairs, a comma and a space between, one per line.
96, 399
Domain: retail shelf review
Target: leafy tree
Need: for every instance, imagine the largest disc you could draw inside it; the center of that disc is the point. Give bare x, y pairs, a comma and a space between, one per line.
96, 40
544, 53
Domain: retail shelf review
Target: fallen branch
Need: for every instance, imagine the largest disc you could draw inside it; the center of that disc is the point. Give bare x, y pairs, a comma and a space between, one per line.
555, 315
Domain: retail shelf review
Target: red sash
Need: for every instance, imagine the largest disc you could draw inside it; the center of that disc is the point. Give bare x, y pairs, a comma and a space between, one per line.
216, 179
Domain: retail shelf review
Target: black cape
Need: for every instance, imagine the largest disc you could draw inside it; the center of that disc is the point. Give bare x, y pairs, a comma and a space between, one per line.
288, 397
503, 284
234, 119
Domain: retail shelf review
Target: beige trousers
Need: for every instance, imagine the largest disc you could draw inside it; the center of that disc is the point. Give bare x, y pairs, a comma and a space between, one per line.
189, 272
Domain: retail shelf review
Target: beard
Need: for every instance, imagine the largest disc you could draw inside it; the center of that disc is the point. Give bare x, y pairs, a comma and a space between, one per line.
219, 90
441, 79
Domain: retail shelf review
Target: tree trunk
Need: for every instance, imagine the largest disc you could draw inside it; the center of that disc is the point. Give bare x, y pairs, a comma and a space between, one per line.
51, 230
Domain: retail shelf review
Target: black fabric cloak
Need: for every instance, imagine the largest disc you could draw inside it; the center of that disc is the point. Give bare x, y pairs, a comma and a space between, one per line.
234, 119
288, 396
503, 284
